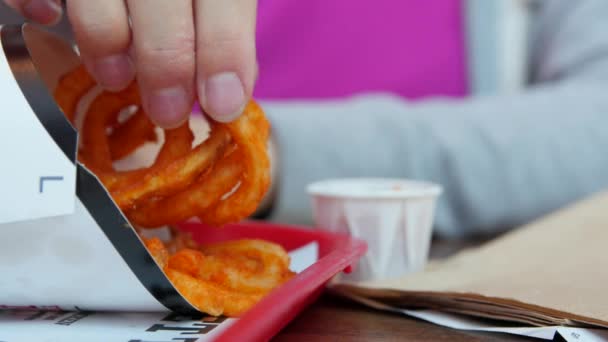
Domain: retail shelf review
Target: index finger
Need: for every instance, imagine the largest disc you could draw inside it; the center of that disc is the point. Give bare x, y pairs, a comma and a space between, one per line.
226, 56
45, 12
163, 39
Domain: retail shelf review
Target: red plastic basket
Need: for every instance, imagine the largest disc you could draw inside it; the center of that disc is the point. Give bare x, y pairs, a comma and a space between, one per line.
337, 253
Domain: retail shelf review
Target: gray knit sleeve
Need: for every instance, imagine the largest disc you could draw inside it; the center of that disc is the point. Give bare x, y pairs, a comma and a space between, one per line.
502, 160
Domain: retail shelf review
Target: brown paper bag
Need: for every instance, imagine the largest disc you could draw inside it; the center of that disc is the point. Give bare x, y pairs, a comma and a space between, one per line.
550, 272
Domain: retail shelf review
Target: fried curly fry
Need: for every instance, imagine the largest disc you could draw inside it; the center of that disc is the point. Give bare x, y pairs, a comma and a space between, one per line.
221, 180
180, 240
250, 266
225, 278
157, 250
196, 199
255, 179
211, 298
70, 90
175, 175
103, 111
127, 137
178, 142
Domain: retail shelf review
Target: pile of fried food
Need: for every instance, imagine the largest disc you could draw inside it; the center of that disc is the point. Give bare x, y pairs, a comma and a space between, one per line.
223, 278
221, 180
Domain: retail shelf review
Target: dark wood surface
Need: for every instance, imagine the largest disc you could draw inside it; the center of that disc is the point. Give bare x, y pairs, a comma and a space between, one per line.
335, 319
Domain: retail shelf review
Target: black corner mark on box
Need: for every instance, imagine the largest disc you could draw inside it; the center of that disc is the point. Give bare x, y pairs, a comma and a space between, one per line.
89, 189
48, 179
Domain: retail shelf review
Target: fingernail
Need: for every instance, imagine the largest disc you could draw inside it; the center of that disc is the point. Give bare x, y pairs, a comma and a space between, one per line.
223, 96
169, 107
46, 12
114, 72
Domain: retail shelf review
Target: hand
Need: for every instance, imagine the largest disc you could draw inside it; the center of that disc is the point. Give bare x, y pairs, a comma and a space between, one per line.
177, 49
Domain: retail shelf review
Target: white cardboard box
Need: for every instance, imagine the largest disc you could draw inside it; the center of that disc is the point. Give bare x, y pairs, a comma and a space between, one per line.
64, 243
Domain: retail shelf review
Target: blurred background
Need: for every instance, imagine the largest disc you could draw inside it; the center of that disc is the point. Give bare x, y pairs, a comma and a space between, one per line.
499, 46
501, 102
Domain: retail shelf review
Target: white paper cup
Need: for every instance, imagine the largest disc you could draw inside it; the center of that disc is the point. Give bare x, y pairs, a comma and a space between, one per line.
394, 216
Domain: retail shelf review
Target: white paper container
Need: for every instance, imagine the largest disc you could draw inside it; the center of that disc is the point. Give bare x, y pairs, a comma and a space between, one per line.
394, 216
63, 241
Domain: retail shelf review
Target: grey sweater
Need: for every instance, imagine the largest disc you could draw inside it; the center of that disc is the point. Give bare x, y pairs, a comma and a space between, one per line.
502, 159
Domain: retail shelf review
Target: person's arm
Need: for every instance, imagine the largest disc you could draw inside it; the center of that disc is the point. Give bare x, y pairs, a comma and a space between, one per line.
502, 160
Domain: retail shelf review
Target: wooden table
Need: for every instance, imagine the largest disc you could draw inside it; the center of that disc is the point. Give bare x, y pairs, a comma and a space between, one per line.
335, 319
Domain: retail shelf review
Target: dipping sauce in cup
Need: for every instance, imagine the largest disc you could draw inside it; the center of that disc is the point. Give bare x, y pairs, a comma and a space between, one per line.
394, 216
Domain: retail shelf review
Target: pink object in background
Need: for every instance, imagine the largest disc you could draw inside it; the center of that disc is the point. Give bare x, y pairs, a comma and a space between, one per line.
318, 49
